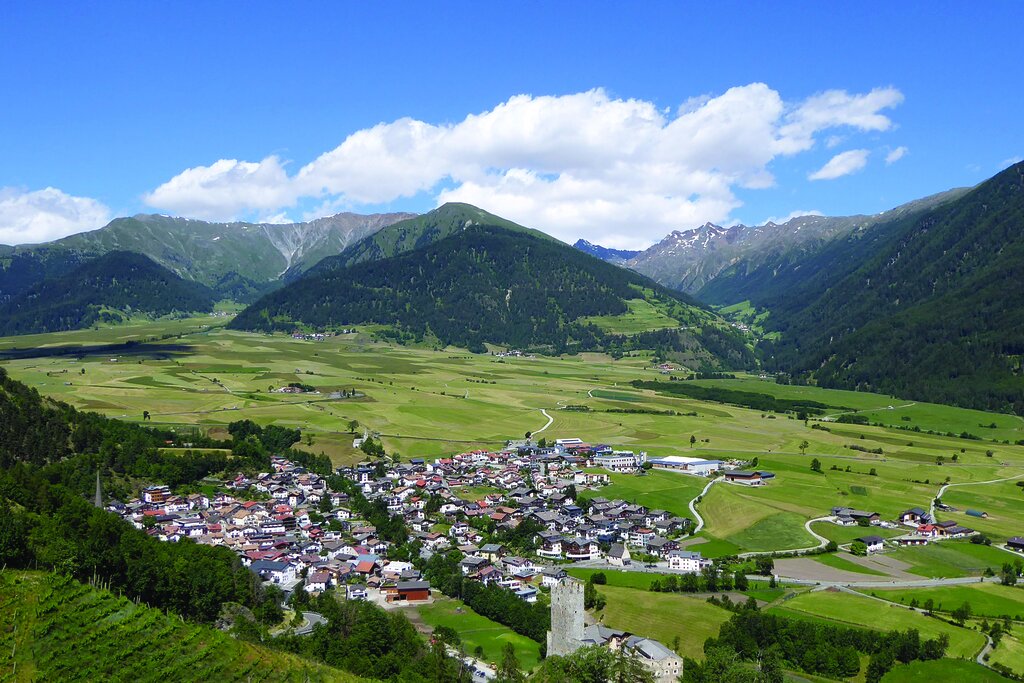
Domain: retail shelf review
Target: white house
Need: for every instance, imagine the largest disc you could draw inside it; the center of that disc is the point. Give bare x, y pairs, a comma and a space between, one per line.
687, 561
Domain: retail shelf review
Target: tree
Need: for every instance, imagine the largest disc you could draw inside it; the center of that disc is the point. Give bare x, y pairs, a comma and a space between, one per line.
803, 447
765, 565
858, 548
1008, 576
509, 670
831, 547
739, 580
873, 472
145, 415
962, 613
815, 465
693, 440
353, 425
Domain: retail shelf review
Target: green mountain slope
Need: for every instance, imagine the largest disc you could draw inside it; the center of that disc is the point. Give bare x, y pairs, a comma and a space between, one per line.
491, 284
251, 254
420, 231
930, 306
117, 281
60, 630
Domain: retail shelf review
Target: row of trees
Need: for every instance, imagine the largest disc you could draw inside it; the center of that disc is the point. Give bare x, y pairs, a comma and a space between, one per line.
817, 648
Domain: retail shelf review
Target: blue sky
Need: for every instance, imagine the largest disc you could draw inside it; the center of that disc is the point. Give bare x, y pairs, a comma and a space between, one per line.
616, 122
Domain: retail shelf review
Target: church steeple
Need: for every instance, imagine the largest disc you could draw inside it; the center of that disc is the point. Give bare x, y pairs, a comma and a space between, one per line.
99, 491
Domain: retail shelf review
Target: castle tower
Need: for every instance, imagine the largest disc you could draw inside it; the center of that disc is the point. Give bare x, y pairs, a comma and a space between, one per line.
98, 502
566, 634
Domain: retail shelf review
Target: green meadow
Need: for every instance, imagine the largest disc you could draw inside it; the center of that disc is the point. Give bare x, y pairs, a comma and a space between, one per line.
426, 402
864, 612
986, 599
476, 630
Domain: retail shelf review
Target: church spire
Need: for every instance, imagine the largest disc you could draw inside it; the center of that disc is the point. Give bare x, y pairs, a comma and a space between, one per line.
99, 491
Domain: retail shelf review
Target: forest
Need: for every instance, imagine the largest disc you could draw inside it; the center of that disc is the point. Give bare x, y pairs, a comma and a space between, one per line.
105, 289
484, 285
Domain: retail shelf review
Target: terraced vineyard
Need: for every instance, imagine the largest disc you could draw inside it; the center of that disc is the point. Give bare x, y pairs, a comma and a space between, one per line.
56, 629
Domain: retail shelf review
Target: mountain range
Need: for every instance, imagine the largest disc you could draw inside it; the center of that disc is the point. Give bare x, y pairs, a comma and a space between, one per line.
466, 277
238, 260
921, 301
689, 260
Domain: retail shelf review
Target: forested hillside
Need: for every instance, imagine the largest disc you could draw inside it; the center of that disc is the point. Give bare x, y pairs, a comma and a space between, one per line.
420, 231
488, 284
928, 307
101, 290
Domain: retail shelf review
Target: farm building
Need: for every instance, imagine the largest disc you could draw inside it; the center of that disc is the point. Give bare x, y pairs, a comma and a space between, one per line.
874, 543
757, 478
977, 513
1015, 543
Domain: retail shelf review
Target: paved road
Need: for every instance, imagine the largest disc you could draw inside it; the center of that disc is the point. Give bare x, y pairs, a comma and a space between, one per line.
942, 490
550, 420
312, 619
693, 506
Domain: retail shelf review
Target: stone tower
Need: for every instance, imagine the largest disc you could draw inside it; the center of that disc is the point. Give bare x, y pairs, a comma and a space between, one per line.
566, 634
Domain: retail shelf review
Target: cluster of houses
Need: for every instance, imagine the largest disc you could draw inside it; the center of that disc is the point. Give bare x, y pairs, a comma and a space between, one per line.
298, 534
291, 529
924, 529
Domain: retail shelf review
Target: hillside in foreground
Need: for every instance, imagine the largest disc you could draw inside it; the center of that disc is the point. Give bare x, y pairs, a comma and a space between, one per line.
56, 629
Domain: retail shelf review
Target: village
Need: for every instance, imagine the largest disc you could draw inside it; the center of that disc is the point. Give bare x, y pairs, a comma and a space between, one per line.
289, 527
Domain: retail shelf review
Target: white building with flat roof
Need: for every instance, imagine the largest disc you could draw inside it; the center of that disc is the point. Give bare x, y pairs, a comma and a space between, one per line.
697, 466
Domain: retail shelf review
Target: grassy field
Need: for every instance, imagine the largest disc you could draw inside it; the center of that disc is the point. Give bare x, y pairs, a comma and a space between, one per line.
866, 613
1009, 653
663, 616
429, 403
642, 316
838, 562
657, 490
952, 559
942, 670
986, 599
60, 630
475, 630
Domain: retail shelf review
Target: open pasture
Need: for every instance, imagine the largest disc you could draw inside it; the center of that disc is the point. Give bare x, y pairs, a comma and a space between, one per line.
664, 617
428, 403
990, 600
864, 612
476, 630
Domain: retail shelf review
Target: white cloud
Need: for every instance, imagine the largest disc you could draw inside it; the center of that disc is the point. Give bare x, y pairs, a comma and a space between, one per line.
622, 171
895, 155
226, 190
1011, 161
842, 164
29, 217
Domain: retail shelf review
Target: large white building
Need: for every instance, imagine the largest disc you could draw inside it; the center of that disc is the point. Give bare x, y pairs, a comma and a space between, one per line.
698, 466
620, 461
687, 561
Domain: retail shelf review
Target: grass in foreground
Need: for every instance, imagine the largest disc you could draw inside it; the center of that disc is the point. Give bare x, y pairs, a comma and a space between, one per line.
57, 629
475, 630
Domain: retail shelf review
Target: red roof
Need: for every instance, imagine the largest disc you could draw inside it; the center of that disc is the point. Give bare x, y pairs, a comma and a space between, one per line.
365, 567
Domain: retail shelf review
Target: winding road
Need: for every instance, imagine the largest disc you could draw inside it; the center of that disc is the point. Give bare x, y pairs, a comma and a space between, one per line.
942, 489
693, 505
550, 420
